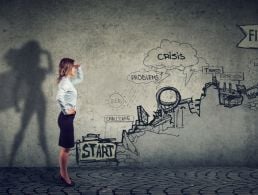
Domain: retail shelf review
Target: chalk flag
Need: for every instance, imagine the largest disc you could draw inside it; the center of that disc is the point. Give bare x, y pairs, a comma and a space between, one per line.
251, 37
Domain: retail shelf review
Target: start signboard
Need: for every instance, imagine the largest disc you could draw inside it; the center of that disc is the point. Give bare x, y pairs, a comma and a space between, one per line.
92, 148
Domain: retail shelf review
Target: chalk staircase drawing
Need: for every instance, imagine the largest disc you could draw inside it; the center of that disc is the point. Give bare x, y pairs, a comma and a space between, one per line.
169, 116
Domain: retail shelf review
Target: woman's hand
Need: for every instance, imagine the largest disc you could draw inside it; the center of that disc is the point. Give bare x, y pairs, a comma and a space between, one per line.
76, 65
71, 111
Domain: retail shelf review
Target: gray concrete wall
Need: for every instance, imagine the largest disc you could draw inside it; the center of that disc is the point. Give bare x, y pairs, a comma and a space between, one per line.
113, 40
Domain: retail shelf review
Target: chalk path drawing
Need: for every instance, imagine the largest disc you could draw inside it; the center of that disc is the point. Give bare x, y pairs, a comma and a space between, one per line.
169, 116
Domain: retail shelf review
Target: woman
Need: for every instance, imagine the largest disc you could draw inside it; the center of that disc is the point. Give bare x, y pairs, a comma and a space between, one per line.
69, 75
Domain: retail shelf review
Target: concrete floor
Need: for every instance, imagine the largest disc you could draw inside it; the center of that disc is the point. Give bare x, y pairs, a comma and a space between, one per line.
131, 180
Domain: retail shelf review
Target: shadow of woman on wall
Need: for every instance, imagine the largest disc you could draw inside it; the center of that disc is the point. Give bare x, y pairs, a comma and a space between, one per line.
26, 85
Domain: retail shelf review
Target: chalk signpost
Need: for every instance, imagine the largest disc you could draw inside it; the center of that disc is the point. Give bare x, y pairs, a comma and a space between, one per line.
92, 148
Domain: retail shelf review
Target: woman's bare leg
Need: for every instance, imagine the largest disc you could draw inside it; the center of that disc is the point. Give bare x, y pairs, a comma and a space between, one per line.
63, 163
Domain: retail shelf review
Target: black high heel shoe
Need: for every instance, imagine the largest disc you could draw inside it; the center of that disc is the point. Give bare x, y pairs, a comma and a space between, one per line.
64, 182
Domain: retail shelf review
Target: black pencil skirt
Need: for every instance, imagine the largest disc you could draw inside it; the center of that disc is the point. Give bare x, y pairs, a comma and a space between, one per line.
66, 137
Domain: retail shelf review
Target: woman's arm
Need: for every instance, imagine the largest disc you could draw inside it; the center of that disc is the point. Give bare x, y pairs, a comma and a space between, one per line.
79, 76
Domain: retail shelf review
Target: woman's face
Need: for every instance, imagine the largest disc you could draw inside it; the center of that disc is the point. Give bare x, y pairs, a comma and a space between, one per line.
73, 71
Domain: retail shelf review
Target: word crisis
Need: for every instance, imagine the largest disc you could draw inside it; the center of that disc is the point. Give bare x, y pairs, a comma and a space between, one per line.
171, 56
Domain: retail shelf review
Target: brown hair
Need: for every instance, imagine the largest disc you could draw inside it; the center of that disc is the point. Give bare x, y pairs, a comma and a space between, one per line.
65, 67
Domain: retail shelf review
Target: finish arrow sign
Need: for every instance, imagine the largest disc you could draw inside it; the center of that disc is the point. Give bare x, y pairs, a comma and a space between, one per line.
251, 37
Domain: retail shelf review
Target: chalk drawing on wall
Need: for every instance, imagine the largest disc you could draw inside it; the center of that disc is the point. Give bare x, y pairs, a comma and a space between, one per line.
167, 119
130, 95
114, 125
116, 100
92, 148
250, 41
144, 77
171, 111
168, 57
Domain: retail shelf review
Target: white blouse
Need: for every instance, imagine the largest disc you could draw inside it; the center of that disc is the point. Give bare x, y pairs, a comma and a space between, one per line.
67, 94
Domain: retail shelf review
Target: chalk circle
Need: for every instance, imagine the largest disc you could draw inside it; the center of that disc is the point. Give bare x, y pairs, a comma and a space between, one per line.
168, 97
116, 100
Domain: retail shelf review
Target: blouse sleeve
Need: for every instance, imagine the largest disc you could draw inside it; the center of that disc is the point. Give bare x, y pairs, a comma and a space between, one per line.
79, 76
